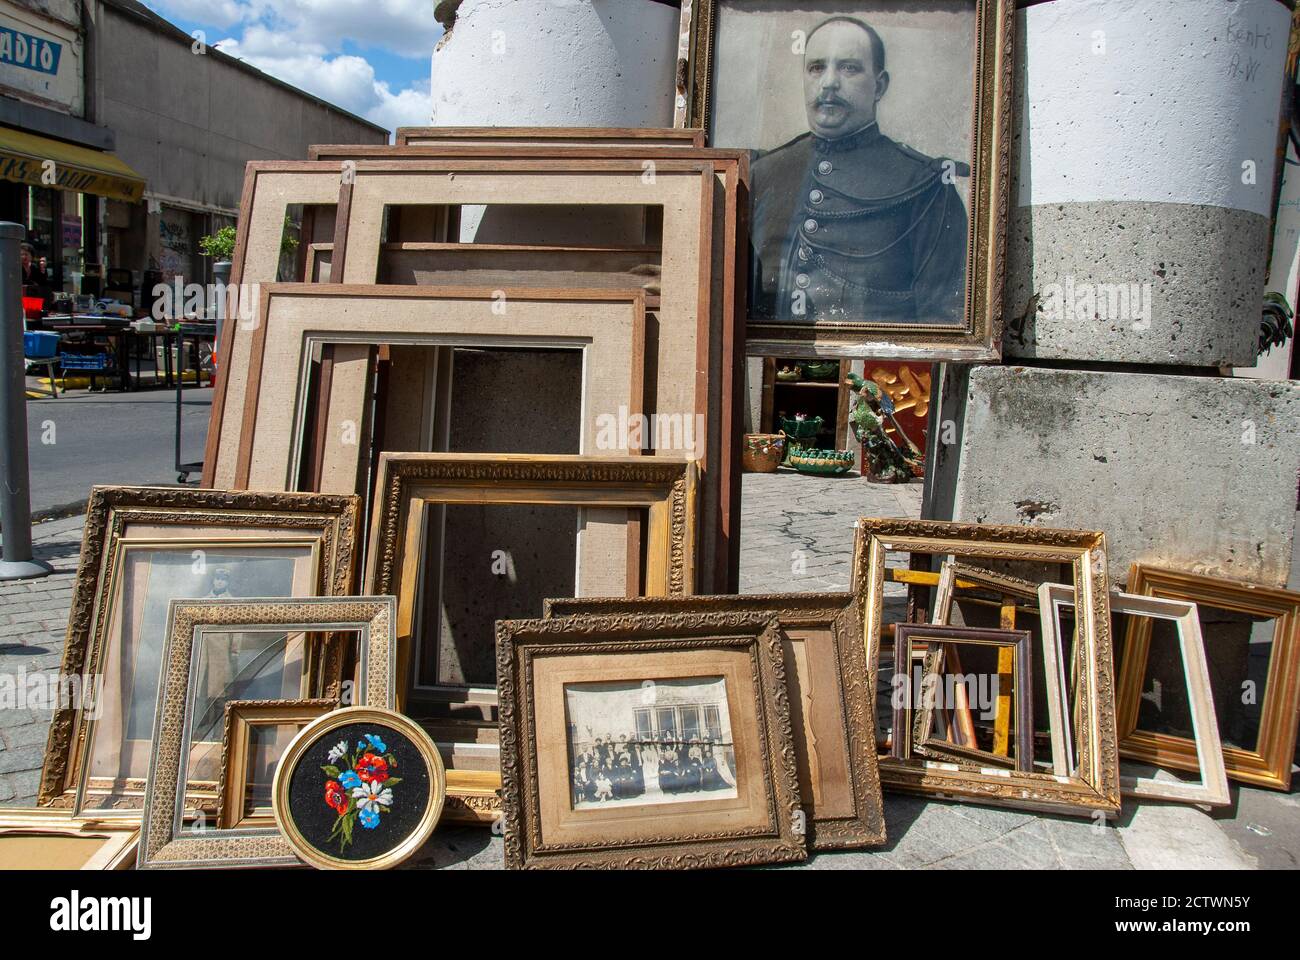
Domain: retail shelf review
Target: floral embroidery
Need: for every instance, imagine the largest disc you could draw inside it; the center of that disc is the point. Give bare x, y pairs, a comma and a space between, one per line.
361, 790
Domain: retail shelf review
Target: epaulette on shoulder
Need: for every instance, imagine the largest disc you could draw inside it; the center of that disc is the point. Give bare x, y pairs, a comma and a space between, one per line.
934, 163
789, 143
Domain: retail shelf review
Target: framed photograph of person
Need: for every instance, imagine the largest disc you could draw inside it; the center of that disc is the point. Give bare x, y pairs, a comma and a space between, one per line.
880, 132
146, 546
658, 741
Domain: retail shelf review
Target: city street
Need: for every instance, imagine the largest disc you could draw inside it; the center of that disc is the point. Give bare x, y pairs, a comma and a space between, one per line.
85, 438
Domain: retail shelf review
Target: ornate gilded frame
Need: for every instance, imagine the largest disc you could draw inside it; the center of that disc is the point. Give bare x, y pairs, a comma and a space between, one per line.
241, 717
836, 613
990, 202
1213, 789
162, 844
1269, 765
330, 520
1094, 786
522, 644
333, 721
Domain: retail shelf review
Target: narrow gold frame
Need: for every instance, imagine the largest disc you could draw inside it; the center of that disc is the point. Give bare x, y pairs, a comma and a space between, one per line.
241, 717
120, 837
162, 845
1269, 765
1095, 785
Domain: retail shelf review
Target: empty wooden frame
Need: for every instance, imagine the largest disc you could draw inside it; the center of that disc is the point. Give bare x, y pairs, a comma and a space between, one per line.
165, 843
932, 690
1213, 788
558, 137
42, 838
141, 547
1094, 785
831, 700
608, 326
243, 719
1269, 763
409, 484
270, 189
951, 576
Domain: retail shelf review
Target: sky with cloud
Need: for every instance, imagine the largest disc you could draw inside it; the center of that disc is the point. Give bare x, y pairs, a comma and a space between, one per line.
370, 57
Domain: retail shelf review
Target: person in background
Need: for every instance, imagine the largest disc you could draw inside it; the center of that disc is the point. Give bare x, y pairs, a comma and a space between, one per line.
36, 282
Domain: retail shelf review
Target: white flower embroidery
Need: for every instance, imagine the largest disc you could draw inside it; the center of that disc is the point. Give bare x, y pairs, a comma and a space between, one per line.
337, 752
372, 793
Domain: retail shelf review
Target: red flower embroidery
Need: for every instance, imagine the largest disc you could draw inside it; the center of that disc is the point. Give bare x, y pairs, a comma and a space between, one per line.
335, 796
372, 768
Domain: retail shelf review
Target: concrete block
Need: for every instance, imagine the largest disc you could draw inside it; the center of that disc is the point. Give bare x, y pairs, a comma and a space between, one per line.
1195, 473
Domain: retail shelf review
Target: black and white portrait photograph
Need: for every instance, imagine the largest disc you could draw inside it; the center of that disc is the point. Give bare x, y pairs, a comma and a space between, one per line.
859, 118
664, 741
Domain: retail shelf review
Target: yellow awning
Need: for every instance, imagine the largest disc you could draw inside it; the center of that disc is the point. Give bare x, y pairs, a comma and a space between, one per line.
42, 162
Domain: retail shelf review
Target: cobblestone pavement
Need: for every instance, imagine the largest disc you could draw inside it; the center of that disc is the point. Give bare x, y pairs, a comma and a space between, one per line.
796, 534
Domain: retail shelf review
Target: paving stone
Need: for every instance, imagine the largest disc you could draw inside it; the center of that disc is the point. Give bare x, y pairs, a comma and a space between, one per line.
30, 757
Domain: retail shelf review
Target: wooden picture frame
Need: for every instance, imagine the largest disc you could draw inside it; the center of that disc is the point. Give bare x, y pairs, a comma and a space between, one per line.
979, 336
242, 716
43, 838
550, 137
1212, 791
937, 637
408, 483
270, 189
393, 744
832, 700
1094, 785
559, 676
952, 575
1269, 764
607, 326
163, 842
196, 526
729, 258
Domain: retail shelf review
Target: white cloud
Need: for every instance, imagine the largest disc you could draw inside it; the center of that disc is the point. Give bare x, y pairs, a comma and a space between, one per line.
301, 41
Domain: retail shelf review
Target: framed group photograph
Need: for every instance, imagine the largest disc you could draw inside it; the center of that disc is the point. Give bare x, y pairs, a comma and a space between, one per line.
880, 134
647, 742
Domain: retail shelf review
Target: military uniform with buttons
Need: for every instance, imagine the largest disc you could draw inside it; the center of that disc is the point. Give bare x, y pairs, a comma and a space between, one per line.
857, 229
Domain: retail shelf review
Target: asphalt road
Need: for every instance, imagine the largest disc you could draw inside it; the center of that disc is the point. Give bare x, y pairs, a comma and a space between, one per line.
85, 438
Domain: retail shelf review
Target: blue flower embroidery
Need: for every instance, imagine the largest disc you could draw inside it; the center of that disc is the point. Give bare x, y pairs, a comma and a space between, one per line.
369, 817
349, 779
372, 742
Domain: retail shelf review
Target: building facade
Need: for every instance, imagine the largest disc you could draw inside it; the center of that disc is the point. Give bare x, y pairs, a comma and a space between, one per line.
123, 139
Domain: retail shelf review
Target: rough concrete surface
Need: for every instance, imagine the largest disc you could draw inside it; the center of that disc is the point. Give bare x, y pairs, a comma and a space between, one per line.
796, 534
1194, 472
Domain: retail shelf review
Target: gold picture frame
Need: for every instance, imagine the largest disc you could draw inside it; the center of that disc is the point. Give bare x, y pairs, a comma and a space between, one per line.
194, 524
993, 56
45, 838
242, 716
1269, 764
326, 727
1094, 785
832, 700
163, 842
557, 675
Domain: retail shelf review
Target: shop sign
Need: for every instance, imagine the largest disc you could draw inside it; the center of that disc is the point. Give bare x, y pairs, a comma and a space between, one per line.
40, 59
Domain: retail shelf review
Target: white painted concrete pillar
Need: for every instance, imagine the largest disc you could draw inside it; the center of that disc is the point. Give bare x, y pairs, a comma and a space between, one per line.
1147, 137
556, 63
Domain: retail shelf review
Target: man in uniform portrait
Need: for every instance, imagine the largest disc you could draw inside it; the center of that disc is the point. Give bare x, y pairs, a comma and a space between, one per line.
848, 225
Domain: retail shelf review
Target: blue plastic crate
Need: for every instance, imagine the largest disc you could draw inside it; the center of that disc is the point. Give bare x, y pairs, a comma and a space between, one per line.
40, 345
90, 361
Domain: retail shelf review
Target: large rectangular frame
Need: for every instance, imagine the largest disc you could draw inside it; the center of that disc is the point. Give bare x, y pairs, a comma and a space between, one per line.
798, 613
991, 178
329, 313
1095, 785
331, 520
521, 644
161, 846
1269, 765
